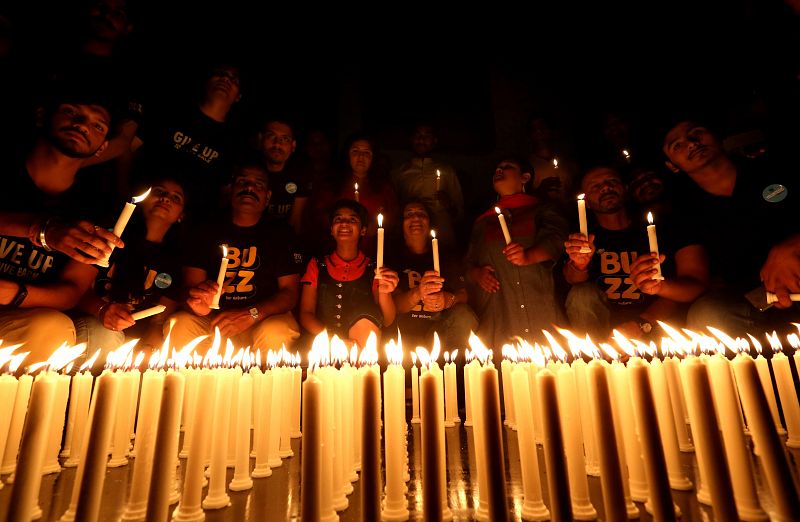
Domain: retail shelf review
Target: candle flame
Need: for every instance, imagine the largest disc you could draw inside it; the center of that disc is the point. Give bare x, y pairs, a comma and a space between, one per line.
64, 355
312, 362
424, 357
479, 350
581, 196
756, 344
794, 340
610, 351
555, 163
453, 355
139, 359
623, 342
89, 362
339, 351
438, 174
497, 209
447, 357
369, 355
413, 358
141, 197
380, 220
433, 234
650, 217
355, 185
727, 341
394, 353
558, 351
16, 361
224, 250
774, 342
510, 353
577, 345
537, 356
468, 355
6, 354
33, 367
626, 154
437, 346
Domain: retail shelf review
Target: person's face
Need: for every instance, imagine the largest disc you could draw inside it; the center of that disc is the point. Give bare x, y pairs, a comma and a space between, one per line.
277, 142
166, 201
360, 156
508, 178
690, 146
78, 130
224, 83
346, 225
416, 221
250, 190
604, 190
108, 20
646, 187
423, 140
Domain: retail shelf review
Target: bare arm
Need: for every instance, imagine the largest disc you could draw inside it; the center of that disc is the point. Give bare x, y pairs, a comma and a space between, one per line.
60, 295
308, 310
690, 281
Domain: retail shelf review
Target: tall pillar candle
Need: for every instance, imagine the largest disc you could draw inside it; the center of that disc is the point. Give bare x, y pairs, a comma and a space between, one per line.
736, 449
275, 418
394, 406
533, 507
655, 465
73, 394
476, 396
672, 367
28, 479
340, 482
451, 393
348, 423
189, 508
19, 410
617, 417
533, 369
705, 431
439, 375
8, 392
327, 375
493, 443
432, 423
121, 431
241, 478
311, 465
256, 372
788, 395
262, 468
371, 449
415, 392
285, 447
217, 497
632, 449
83, 394
233, 412
553, 442
59, 412
297, 376
777, 472
190, 402
614, 503
666, 425
762, 366
589, 443
467, 398
508, 394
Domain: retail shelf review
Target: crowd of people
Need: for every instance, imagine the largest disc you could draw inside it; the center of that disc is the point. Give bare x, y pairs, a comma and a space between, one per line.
301, 233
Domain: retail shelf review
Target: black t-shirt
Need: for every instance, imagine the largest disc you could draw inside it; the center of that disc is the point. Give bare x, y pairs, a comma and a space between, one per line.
616, 250
141, 273
739, 230
411, 267
292, 182
20, 260
257, 257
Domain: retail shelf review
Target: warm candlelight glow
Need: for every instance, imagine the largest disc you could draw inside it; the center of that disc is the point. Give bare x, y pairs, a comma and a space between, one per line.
64, 355
16, 361
626, 154
581, 196
369, 355
555, 163
141, 197
433, 234
650, 217
394, 353
497, 209
90, 362
774, 342
380, 220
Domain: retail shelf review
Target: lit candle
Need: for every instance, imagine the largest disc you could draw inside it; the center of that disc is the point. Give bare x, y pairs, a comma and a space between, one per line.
626, 155
762, 366
492, 426
503, 226
223, 268
432, 424
533, 507
415, 390
555, 163
355, 191
371, 449
262, 468
736, 449
241, 477
705, 432
122, 429
166, 445
672, 367
297, 375
17, 422
438, 180
285, 447
449, 393
311, 460
788, 395
122, 221
379, 260
189, 403
622, 406
73, 393
476, 397
8, 391
435, 249
83, 391
552, 436
216, 496
471, 361
189, 508
653, 239
589, 443
583, 225
772, 455
59, 411
395, 506
655, 465
508, 394
92, 453
275, 418
147, 312
614, 503
28, 479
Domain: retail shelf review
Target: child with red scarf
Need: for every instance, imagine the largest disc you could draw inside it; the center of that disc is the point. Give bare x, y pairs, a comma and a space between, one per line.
512, 285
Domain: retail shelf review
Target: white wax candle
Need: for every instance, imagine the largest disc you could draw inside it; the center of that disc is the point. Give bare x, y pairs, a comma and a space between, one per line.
340, 482
122, 220
672, 367
327, 375
122, 428
381, 231
358, 402
533, 507
772, 455
655, 465
233, 416
276, 411
435, 249
492, 426
20, 408
189, 508
508, 395
311, 460
217, 497
28, 479
147, 312
503, 226
476, 397
285, 447
614, 503
348, 420
297, 375
583, 225
705, 432
395, 506
92, 453
621, 405
241, 477
256, 372
189, 403
736, 450
788, 395
589, 443
533, 369
223, 268
450, 396
762, 366
262, 434
415, 394
554, 458
439, 375
8, 392
653, 239
573, 443
149, 406
73, 393
432, 424
59, 411
371, 449
666, 426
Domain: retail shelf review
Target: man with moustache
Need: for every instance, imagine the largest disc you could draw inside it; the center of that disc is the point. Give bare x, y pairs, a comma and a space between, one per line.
261, 284
613, 273
48, 239
748, 215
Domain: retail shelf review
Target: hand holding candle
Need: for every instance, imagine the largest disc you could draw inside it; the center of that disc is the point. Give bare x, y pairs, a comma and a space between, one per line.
435, 249
651, 236
223, 268
122, 221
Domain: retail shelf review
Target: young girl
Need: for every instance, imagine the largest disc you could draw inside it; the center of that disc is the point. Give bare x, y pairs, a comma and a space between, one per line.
512, 285
340, 293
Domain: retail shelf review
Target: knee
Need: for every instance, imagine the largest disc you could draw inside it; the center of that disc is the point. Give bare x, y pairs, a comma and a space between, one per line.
584, 295
462, 317
276, 330
46, 330
717, 310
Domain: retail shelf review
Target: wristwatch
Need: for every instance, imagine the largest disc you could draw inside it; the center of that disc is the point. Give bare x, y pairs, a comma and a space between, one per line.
645, 326
254, 313
22, 293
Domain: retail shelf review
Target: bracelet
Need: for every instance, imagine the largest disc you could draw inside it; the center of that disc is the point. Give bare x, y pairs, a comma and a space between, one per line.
103, 306
574, 267
42, 233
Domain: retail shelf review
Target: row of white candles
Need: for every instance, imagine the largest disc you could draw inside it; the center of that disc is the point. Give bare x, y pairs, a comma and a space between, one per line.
581, 407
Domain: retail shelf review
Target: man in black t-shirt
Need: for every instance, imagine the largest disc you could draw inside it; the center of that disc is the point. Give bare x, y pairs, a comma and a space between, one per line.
613, 273
262, 279
748, 214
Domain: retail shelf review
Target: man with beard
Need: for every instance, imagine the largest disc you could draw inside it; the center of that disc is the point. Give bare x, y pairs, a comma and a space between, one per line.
43, 211
614, 275
262, 280
291, 186
748, 215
